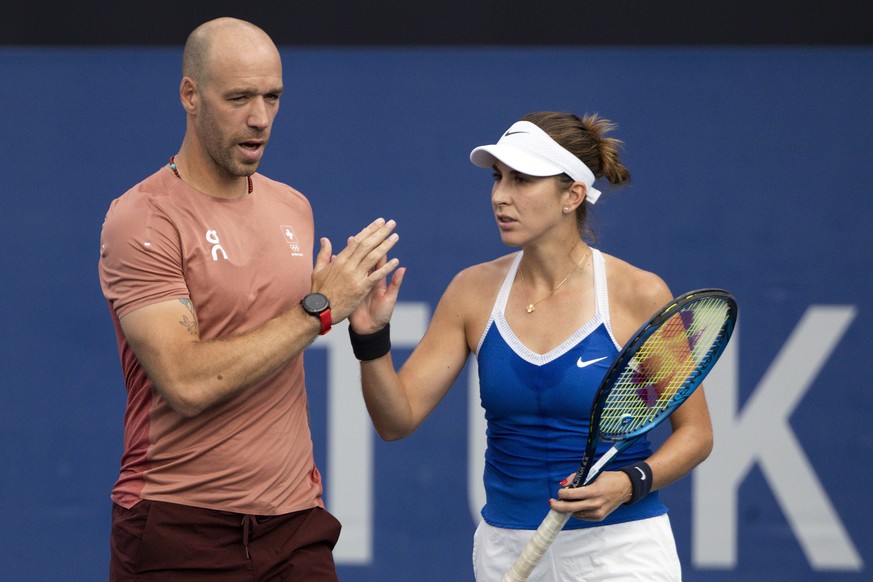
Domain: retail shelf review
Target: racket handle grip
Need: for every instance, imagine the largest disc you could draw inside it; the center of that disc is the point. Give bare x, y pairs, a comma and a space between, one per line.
537, 546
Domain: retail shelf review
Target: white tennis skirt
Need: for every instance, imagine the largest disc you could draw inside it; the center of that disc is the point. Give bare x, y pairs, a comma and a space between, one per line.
637, 550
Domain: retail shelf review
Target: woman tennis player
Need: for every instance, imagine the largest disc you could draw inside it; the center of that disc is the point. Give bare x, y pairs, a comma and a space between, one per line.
544, 323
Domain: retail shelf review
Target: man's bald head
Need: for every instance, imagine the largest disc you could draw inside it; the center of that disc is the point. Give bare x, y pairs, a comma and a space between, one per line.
217, 36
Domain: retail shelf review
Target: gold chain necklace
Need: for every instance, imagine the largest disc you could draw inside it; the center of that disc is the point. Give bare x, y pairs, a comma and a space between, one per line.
532, 306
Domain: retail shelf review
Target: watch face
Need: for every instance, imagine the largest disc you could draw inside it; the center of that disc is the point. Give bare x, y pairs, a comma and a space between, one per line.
315, 303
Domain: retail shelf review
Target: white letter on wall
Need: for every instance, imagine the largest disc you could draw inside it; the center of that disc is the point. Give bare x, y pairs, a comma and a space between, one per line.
761, 434
349, 475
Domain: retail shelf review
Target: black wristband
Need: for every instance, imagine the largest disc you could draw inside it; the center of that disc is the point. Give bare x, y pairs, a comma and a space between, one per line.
641, 480
371, 346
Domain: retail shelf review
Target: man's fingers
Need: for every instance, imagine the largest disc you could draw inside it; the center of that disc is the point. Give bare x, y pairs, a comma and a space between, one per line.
359, 247
371, 237
371, 229
373, 257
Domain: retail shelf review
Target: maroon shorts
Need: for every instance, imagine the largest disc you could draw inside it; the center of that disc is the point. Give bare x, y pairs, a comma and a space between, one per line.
165, 541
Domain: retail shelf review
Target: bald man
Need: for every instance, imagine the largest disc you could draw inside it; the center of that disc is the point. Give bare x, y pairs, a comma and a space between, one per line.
207, 269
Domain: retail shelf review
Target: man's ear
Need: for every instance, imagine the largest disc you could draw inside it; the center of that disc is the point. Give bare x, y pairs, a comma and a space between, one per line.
189, 95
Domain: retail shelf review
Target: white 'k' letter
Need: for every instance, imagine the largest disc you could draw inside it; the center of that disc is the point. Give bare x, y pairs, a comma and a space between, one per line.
761, 434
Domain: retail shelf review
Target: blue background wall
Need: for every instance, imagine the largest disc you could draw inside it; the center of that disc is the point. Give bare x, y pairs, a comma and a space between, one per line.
751, 171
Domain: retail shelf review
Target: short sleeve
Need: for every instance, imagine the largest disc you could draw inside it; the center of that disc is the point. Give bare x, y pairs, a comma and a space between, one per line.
140, 255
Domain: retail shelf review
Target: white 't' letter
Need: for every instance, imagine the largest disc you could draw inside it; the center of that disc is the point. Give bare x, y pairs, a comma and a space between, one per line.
349, 476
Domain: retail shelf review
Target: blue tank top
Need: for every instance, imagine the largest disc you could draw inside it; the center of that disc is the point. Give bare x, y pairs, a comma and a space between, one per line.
537, 408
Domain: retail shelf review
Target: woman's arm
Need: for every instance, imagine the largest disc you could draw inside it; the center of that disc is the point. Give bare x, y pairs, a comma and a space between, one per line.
399, 402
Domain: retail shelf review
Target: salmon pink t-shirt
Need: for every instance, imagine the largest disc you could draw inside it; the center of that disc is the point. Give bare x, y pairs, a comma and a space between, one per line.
240, 262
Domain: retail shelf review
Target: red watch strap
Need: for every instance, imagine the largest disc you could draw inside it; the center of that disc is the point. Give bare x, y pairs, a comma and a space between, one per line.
326, 321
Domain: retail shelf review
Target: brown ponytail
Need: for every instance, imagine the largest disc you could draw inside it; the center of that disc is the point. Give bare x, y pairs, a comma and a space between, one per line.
586, 139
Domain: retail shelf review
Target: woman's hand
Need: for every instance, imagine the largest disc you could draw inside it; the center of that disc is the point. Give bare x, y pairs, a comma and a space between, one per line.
596, 501
374, 312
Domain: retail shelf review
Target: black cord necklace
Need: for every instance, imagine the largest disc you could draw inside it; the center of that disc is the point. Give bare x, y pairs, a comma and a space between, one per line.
178, 175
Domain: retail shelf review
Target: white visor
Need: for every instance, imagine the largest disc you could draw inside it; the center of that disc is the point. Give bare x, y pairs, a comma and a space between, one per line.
528, 149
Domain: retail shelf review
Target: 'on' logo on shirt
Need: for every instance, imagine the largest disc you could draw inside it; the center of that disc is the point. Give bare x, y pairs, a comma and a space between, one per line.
217, 249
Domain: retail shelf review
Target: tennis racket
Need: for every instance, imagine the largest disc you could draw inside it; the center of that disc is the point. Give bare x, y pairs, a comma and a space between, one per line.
661, 365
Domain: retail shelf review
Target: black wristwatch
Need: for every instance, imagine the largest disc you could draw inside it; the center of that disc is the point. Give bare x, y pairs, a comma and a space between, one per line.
318, 305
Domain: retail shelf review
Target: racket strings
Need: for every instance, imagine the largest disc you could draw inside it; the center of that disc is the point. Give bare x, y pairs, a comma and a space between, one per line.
667, 361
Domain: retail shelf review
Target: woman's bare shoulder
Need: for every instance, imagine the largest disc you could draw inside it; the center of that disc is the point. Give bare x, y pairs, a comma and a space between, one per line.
482, 276
634, 294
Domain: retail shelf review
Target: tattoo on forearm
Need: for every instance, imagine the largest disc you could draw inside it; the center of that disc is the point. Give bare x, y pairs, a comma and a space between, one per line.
190, 322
